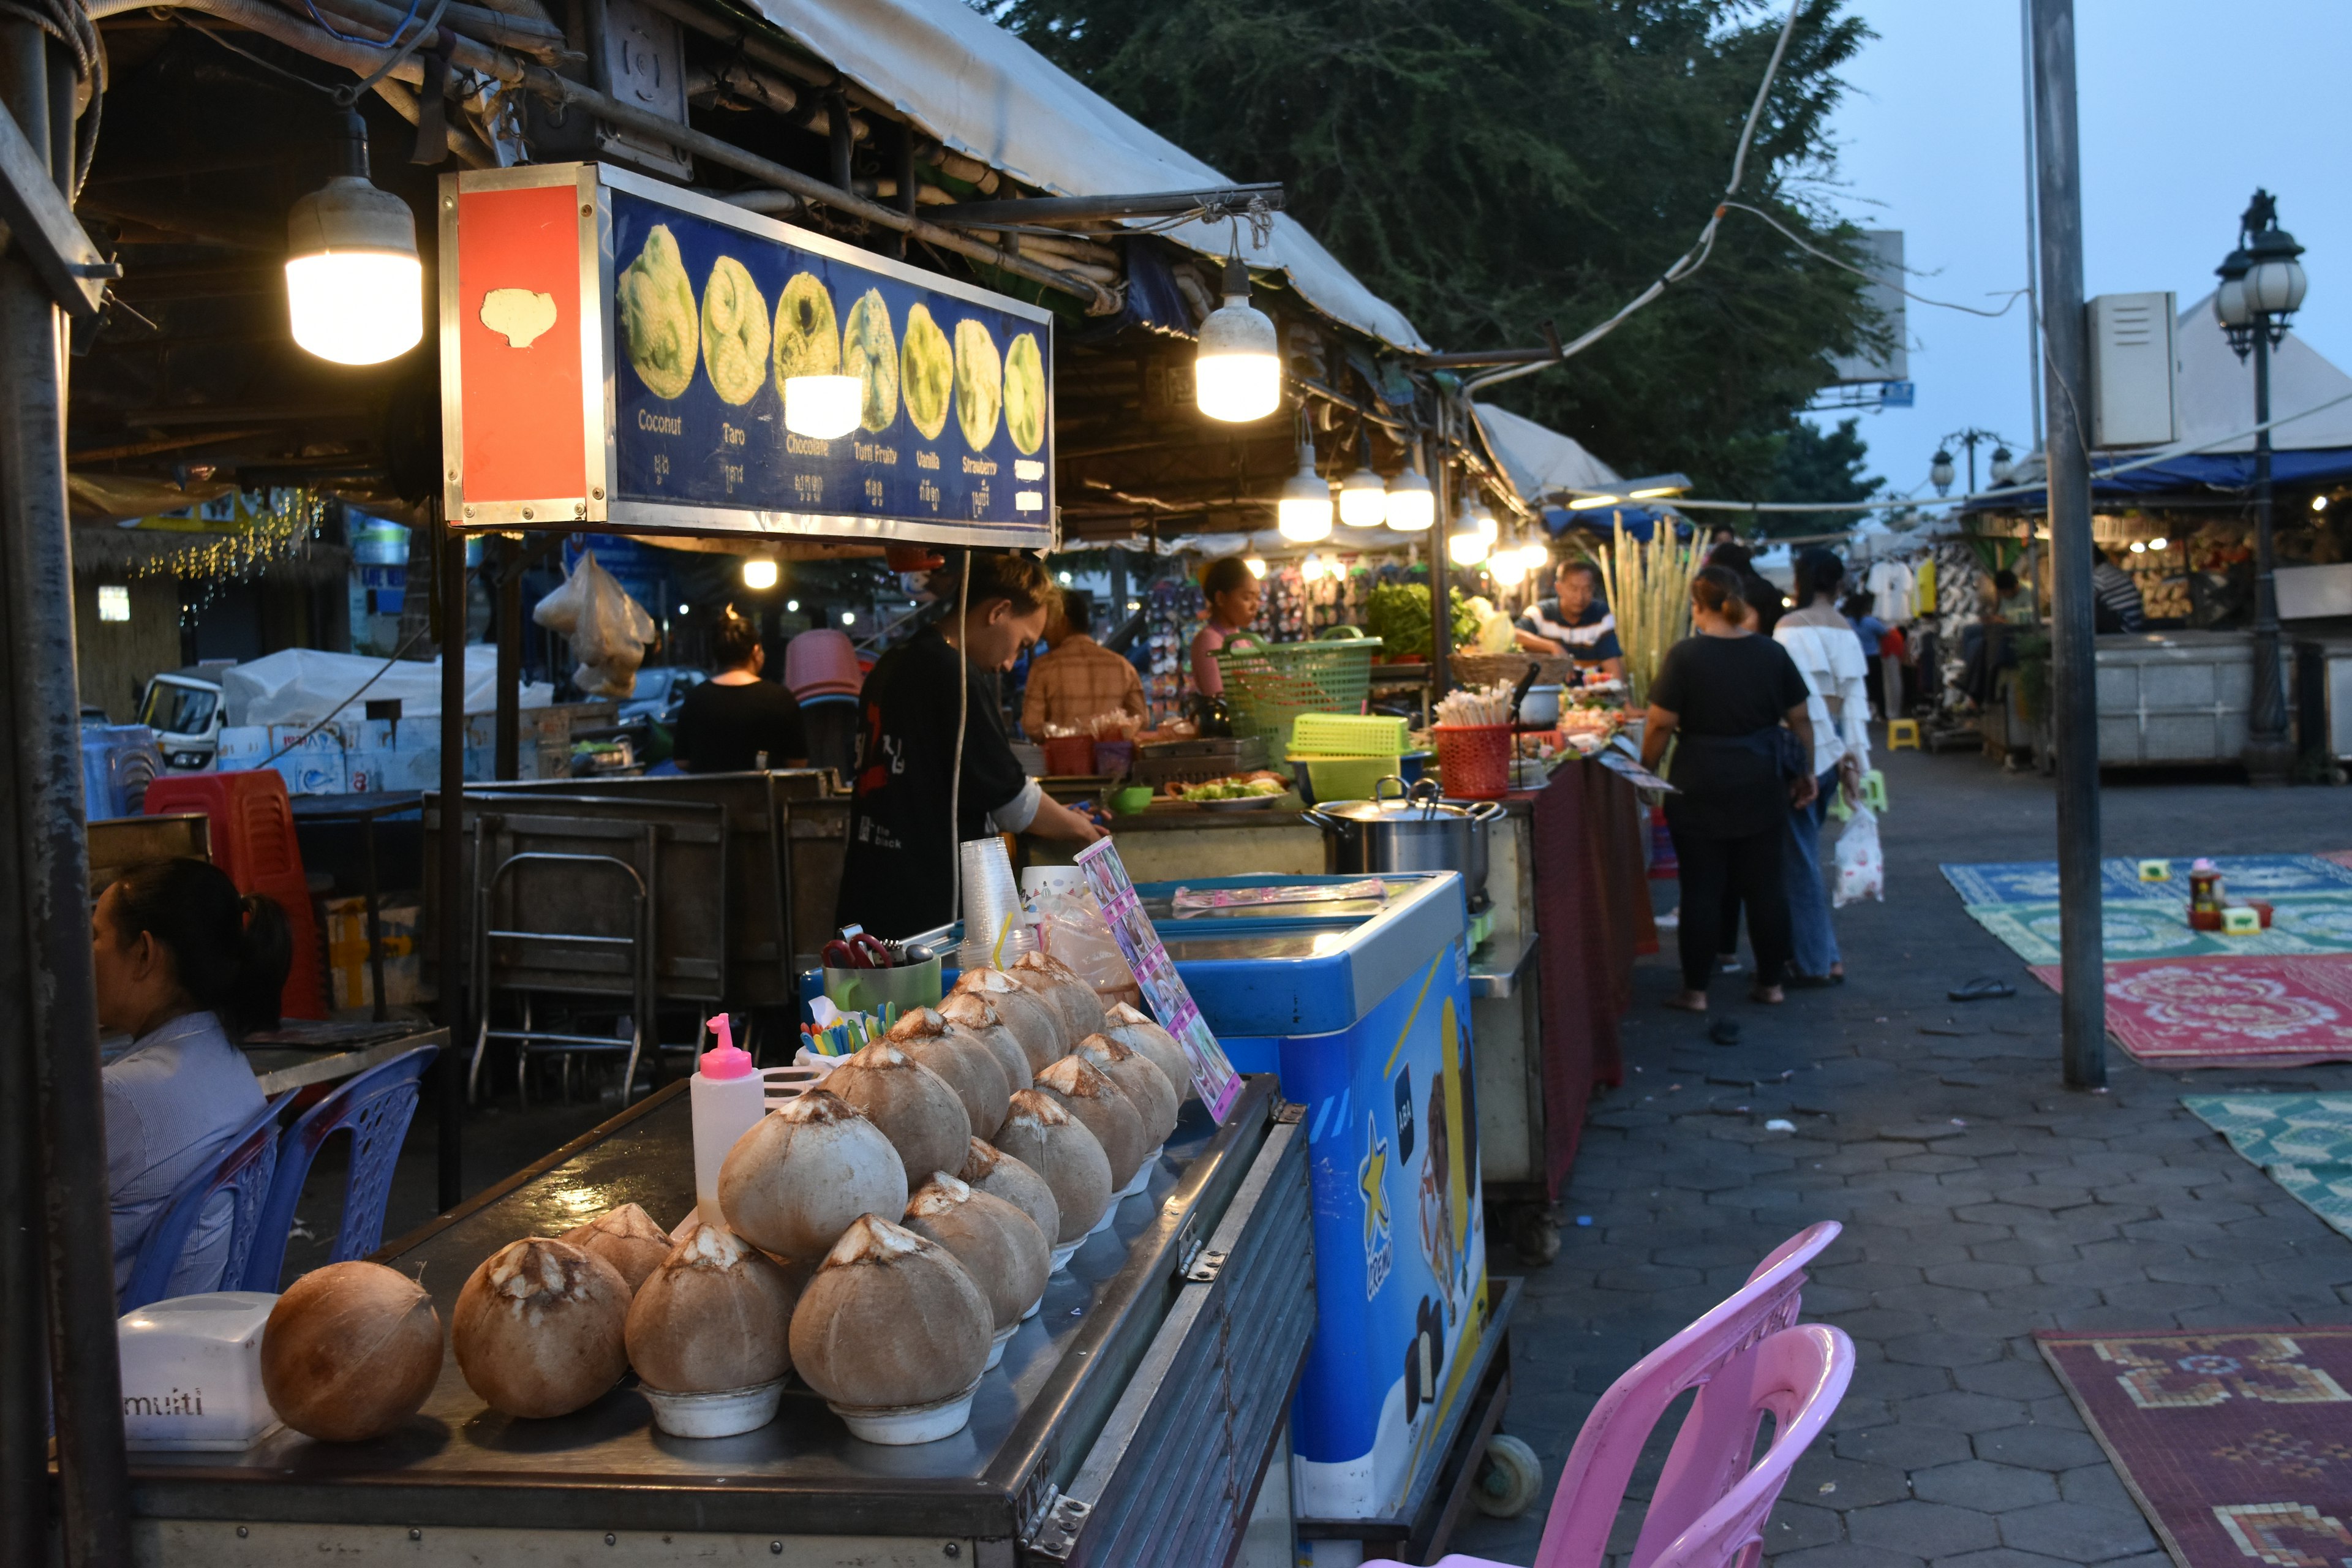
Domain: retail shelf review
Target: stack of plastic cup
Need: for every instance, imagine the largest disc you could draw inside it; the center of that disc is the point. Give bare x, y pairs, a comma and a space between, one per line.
995, 925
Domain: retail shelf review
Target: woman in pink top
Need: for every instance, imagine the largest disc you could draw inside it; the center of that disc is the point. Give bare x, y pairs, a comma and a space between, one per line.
1232, 594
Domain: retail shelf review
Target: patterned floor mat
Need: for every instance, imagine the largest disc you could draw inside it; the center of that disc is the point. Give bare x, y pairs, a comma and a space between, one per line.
2242, 876
2302, 1142
2302, 924
2236, 1443
2234, 1011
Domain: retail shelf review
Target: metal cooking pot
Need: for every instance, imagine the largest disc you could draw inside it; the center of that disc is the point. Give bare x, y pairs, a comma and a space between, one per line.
1411, 830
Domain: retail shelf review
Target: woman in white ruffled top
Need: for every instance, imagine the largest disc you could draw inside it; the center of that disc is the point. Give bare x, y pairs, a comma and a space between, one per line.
1829, 655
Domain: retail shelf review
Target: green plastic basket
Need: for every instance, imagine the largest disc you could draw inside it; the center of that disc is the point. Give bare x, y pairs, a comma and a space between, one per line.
1269, 684
1348, 735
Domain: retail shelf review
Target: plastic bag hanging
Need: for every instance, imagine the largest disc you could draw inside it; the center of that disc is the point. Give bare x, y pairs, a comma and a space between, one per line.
608, 630
1861, 869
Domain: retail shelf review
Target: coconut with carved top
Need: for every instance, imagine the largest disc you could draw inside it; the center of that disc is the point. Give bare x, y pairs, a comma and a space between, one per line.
1133, 1028
893, 1333
1051, 1142
976, 1013
917, 1109
1036, 1022
539, 1328
969, 1066
1000, 1246
1055, 982
1088, 1093
626, 1237
707, 1334
792, 1184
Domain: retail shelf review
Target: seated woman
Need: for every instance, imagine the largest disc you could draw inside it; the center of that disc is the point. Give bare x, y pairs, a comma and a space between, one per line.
181, 959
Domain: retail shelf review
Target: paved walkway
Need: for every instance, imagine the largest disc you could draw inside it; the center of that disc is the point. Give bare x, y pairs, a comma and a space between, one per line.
1981, 1201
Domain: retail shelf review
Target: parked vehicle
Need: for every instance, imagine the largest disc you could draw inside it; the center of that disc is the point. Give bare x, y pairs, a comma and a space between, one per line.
661, 689
183, 707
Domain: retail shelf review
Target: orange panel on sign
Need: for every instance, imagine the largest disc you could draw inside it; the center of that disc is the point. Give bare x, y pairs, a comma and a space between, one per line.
519, 341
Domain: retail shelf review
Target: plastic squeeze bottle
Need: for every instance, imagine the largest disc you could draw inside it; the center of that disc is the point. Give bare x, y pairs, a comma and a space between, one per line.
728, 1100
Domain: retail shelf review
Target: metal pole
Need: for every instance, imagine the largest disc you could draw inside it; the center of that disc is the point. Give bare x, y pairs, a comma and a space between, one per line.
450, 1089
2032, 223
58, 1264
2269, 754
2074, 711
1441, 577
506, 763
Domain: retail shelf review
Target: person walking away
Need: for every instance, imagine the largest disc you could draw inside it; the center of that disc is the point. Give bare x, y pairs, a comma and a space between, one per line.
1233, 594
1871, 632
180, 959
1828, 654
1575, 622
898, 873
1763, 600
2115, 602
732, 719
1723, 696
1079, 679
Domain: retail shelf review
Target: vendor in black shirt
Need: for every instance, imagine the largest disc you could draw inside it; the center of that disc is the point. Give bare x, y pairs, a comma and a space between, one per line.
899, 875
727, 723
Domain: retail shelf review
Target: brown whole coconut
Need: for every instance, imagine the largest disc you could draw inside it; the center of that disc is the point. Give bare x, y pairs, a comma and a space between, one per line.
794, 1183
974, 1013
999, 1175
1057, 1145
540, 1328
1087, 1092
1001, 1247
627, 1238
1145, 1085
1133, 1028
959, 1056
716, 1315
350, 1351
891, 1319
917, 1111
1081, 1009
1036, 1022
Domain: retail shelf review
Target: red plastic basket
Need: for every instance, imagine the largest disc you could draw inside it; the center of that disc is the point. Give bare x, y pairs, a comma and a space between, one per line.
1476, 759
1069, 756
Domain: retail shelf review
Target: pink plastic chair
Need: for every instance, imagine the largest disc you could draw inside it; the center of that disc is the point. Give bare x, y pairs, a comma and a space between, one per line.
1708, 1488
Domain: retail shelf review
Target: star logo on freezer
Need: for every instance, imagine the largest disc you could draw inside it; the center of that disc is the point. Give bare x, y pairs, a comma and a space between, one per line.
1370, 1181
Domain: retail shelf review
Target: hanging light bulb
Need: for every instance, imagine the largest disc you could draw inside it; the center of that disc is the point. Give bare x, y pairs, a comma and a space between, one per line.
2159, 543
823, 407
1467, 544
354, 287
1508, 567
1255, 564
1484, 516
759, 572
1363, 500
1237, 370
1412, 503
1311, 569
1303, 510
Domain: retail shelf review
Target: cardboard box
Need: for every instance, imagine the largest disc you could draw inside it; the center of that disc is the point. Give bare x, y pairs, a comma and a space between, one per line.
347, 952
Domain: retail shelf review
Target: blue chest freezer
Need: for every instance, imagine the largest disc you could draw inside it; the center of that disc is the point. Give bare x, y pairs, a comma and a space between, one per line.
1363, 1006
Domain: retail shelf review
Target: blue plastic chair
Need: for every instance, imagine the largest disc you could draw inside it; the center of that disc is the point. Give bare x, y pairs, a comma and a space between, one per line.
247, 1163
375, 1108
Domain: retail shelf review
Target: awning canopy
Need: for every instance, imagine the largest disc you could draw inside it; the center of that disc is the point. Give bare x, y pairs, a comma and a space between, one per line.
1545, 466
986, 94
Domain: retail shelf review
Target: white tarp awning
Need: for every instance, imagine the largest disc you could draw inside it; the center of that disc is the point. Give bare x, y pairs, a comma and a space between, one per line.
302, 686
2215, 389
984, 93
1536, 460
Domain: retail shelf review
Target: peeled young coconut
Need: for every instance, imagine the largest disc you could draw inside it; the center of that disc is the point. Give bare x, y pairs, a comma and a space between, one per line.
350, 1351
1036, 1022
627, 1238
1087, 1093
539, 1328
892, 1319
976, 1015
958, 1055
1051, 1142
1145, 1085
917, 1111
1000, 1175
794, 1182
1133, 1028
1001, 1247
716, 1315
1044, 974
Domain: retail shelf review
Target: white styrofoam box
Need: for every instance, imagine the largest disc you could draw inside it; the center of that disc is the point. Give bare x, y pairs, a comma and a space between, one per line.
2132, 402
192, 1373
242, 747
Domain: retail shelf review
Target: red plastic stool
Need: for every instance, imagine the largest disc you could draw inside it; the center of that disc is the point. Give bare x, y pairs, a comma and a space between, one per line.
253, 840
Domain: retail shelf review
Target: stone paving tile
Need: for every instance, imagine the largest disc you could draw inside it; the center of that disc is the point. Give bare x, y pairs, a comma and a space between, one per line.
1981, 1202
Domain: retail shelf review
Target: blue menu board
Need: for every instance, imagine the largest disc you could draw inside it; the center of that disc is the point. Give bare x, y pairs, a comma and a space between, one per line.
710, 320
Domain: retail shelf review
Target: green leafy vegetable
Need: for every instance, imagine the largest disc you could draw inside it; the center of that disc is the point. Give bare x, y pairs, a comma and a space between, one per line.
1398, 614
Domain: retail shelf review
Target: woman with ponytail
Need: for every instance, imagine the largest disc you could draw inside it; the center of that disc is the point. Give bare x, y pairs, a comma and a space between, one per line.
181, 959
1735, 704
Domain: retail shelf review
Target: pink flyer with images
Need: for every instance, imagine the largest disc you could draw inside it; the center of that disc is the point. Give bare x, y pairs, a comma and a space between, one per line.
1155, 971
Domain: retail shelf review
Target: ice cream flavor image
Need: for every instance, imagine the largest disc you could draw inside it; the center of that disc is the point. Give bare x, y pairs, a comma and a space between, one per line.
927, 371
979, 383
1025, 394
734, 331
869, 350
658, 315
808, 339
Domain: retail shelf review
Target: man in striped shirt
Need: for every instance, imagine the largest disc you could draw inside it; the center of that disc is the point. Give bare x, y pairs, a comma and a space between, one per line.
1575, 624
2116, 605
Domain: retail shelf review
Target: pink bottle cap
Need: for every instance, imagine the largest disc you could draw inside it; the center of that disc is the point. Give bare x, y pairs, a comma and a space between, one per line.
2202, 864
723, 1060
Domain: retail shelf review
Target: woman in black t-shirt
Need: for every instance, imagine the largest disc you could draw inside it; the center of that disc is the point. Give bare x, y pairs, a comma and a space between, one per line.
732, 720
899, 875
1727, 693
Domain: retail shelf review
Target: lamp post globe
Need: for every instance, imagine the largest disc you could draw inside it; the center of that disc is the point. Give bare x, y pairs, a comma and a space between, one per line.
2004, 466
1940, 473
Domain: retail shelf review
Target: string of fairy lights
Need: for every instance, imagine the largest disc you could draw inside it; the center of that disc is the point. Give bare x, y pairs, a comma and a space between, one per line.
274, 528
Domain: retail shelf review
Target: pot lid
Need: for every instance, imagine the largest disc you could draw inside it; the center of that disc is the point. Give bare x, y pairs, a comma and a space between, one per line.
1421, 805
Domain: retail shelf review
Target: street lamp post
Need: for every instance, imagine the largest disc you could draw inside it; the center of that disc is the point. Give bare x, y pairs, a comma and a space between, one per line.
1940, 472
2262, 284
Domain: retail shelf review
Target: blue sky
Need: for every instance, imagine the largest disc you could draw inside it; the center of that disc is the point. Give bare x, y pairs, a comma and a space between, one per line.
2186, 106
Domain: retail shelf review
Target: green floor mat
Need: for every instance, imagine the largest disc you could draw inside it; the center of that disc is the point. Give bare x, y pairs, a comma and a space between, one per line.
2302, 1142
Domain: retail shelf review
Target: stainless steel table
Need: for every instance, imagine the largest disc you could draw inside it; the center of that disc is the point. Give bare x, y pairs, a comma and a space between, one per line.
298, 1054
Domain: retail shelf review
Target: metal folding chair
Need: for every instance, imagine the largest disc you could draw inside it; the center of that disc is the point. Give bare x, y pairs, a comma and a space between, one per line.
636, 949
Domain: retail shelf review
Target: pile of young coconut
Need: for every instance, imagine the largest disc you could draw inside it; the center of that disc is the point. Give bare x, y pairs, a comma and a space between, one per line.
885, 1235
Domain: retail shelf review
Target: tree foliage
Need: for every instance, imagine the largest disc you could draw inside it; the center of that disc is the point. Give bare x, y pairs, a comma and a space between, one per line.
1488, 164
1811, 464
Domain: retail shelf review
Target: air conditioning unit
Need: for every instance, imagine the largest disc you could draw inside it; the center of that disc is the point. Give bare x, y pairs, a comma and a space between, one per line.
2132, 402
